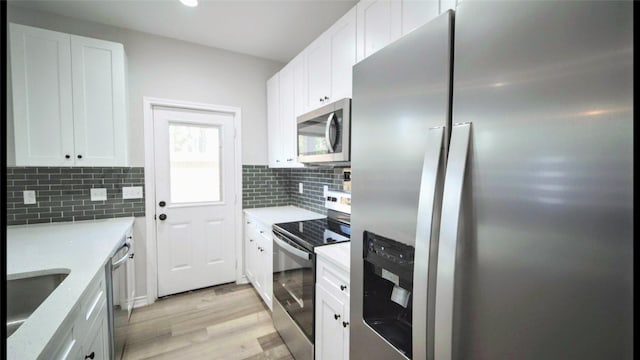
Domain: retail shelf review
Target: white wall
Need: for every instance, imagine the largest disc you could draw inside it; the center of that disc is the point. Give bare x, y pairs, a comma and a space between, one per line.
166, 68
173, 69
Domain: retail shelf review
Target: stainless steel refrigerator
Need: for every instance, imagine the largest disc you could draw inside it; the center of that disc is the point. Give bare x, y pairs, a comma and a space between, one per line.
492, 218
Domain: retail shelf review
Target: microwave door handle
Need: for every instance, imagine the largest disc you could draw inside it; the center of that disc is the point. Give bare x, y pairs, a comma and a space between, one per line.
450, 239
295, 251
327, 132
426, 238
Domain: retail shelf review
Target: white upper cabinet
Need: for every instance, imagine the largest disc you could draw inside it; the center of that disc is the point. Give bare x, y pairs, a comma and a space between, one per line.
418, 12
99, 113
42, 96
343, 55
68, 99
273, 121
379, 23
329, 61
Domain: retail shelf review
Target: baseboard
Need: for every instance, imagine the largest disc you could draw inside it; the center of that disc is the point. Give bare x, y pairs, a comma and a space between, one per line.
140, 301
242, 280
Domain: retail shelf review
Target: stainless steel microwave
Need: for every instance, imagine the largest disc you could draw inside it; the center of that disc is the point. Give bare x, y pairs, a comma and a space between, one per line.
324, 135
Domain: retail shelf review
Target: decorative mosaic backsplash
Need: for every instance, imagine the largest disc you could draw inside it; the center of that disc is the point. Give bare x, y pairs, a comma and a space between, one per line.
63, 193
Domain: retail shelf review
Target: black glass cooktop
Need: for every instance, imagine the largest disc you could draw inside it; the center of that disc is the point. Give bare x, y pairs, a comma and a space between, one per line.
311, 233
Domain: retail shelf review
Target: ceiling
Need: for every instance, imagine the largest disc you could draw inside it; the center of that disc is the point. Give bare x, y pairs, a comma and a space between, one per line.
272, 29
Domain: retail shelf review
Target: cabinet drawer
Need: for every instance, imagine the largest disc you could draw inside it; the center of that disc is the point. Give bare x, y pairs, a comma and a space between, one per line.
332, 277
93, 301
68, 346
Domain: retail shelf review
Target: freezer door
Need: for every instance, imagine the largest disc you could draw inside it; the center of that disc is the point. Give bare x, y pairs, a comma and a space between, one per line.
400, 121
543, 249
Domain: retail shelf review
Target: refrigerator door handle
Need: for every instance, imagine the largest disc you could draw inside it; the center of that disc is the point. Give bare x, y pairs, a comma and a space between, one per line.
448, 241
424, 230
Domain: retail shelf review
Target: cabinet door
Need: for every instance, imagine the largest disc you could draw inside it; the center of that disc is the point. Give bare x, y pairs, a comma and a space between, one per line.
266, 257
131, 276
288, 125
99, 109
416, 13
318, 67
447, 5
42, 96
378, 23
330, 314
273, 122
96, 345
343, 55
248, 251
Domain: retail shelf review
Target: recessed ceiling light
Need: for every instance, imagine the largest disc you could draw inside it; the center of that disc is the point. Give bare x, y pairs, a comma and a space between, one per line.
190, 3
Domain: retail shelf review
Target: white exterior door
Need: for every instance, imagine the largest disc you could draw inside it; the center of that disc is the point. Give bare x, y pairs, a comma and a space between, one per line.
195, 198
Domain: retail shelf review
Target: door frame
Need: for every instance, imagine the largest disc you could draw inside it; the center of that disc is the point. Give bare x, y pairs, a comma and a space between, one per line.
150, 184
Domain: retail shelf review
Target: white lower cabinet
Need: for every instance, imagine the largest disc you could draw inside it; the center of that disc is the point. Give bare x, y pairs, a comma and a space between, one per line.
86, 334
332, 311
258, 259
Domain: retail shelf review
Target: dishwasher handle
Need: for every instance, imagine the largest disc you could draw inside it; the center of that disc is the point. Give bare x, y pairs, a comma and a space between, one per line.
124, 257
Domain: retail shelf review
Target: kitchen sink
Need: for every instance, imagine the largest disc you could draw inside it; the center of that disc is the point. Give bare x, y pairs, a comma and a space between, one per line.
26, 294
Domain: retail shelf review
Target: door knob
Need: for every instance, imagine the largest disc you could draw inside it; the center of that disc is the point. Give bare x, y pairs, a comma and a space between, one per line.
162, 217
162, 203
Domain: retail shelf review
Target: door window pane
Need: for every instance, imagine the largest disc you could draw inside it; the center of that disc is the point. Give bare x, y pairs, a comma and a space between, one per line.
194, 163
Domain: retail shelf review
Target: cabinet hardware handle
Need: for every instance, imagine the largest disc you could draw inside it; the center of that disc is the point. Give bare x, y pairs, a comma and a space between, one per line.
277, 160
345, 324
162, 217
80, 157
342, 287
289, 159
131, 256
336, 316
321, 99
326, 98
162, 204
67, 156
261, 232
90, 356
250, 240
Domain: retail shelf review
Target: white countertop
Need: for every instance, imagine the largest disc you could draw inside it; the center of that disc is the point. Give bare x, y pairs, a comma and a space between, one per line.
279, 214
339, 254
80, 248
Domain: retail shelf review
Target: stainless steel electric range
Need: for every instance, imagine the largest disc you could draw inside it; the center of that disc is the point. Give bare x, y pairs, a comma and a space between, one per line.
294, 263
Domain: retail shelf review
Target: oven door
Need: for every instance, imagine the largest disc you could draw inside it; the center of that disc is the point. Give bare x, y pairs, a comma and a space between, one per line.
293, 282
323, 134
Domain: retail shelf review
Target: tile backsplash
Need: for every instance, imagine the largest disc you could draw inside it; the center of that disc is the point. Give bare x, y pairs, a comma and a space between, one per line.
263, 186
63, 193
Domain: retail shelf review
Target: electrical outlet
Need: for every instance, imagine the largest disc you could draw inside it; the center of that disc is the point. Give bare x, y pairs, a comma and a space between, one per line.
29, 196
99, 194
132, 192
300, 188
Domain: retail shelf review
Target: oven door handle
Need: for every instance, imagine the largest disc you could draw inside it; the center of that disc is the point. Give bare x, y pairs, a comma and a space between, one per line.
290, 248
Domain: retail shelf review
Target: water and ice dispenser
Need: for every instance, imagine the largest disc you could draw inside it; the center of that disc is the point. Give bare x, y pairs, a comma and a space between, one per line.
388, 282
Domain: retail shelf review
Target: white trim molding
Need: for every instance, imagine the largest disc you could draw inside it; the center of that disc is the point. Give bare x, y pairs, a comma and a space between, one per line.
140, 301
149, 181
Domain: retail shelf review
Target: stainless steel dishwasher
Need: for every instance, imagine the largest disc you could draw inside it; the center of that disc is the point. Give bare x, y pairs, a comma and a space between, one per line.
120, 294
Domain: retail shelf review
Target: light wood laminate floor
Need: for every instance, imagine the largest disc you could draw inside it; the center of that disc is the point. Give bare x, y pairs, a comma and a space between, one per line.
222, 322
